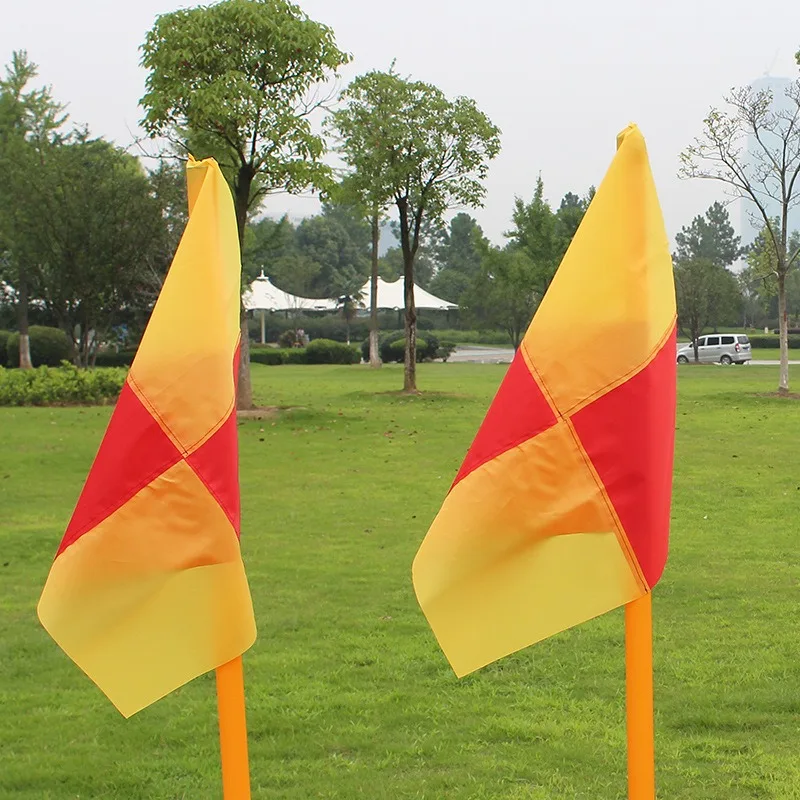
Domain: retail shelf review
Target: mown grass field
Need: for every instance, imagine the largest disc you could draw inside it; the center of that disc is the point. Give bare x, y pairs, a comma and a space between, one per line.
348, 693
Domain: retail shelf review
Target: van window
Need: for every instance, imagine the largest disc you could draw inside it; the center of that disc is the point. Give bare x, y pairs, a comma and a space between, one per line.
711, 341
701, 342
728, 340
743, 339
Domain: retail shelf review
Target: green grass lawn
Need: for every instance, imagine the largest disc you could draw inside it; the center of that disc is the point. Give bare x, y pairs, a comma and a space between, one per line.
348, 693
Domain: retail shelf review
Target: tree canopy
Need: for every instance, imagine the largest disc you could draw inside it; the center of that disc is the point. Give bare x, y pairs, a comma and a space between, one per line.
424, 153
752, 147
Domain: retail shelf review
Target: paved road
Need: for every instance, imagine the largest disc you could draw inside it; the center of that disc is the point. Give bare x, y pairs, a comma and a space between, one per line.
483, 355
502, 355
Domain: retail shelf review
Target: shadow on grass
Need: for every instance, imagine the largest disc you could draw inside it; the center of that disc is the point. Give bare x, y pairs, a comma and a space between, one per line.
403, 397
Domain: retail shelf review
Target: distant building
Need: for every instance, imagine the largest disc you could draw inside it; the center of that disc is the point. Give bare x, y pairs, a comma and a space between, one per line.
749, 227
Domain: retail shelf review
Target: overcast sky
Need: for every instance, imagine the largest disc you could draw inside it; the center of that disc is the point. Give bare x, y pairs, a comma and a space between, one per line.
559, 78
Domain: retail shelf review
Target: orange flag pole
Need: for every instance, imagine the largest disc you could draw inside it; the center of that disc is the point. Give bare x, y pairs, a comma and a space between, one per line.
639, 690
233, 731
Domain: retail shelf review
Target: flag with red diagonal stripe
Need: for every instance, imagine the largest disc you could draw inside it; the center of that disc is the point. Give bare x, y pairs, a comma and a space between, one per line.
148, 589
560, 511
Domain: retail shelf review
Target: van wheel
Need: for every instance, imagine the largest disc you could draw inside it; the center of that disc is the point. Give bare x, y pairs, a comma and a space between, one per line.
683, 360
726, 360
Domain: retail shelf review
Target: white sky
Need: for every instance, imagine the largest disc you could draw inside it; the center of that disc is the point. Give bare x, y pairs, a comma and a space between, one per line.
559, 79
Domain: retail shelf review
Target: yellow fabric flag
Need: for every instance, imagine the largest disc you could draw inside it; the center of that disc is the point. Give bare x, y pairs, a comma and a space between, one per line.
148, 590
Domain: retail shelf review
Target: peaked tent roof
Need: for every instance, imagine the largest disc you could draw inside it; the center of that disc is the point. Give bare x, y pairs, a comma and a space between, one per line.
391, 295
263, 295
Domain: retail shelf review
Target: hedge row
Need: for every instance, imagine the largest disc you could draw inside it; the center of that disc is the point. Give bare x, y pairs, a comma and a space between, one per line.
59, 386
472, 336
772, 342
332, 326
320, 351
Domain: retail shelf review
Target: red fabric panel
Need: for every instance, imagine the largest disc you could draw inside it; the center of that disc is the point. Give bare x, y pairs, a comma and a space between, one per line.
518, 412
629, 434
216, 463
134, 451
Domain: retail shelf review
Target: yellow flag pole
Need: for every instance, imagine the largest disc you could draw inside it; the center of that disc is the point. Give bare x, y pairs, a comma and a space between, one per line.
639, 694
233, 731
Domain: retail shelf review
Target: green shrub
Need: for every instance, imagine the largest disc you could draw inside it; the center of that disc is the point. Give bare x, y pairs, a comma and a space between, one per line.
392, 347
108, 358
4, 337
766, 341
49, 346
326, 351
60, 386
297, 355
445, 350
271, 356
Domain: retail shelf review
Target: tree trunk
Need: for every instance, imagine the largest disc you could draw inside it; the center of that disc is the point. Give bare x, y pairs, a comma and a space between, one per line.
374, 355
410, 320
783, 328
410, 328
244, 389
22, 323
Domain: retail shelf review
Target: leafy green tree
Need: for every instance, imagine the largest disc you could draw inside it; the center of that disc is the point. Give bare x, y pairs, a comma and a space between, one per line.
334, 239
347, 284
753, 148
427, 153
711, 239
762, 268
569, 217
710, 236
296, 273
265, 243
694, 284
458, 253
751, 289
168, 187
535, 233
390, 264
506, 292
29, 124
100, 230
358, 194
235, 81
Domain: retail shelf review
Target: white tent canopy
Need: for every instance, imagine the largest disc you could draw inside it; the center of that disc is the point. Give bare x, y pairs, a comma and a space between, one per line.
391, 295
263, 295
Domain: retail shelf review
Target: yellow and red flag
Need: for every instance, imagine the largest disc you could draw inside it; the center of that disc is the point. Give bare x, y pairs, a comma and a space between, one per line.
148, 589
560, 511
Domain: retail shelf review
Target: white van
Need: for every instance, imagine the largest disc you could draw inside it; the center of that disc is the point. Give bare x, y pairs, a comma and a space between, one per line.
725, 348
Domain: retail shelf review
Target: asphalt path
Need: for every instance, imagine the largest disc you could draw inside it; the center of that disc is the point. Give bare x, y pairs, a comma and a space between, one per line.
478, 354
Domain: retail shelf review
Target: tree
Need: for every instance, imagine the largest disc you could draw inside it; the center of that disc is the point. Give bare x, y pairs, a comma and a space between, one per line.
754, 149
265, 242
361, 196
762, 267
334, 240
506, 292
347, 284
29, 121
534, 233
99, 231
569, 217
711, 238
234, 81
694, 283
427, 154
458, 253
168, 187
